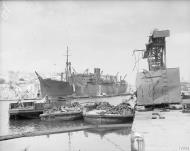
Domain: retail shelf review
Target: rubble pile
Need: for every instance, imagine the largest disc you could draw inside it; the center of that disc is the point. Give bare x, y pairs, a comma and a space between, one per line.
104, 106
75, 106
122, 108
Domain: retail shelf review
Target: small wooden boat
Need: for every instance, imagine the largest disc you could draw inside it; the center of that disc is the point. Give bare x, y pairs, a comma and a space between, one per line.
58, 115
99, 118
25, 110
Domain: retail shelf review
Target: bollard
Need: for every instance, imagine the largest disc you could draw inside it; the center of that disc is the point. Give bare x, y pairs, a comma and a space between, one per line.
137, 142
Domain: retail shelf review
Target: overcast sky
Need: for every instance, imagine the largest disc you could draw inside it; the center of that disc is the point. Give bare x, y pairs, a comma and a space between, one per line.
34, 35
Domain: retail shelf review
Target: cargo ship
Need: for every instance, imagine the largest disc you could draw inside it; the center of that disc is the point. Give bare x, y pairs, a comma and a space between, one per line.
82, 84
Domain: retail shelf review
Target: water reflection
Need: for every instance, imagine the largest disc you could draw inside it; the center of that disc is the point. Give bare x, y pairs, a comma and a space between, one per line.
16, 126
104, 131
91, 140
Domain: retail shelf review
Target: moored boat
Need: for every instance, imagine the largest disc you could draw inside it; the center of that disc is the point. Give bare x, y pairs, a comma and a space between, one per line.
64, 112
104, 113
107, 118
25, 110
58, 115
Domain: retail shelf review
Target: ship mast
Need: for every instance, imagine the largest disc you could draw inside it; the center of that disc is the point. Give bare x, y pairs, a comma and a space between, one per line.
67, 65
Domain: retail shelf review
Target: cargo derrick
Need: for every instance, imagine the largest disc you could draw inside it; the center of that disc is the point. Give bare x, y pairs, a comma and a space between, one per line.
159, 86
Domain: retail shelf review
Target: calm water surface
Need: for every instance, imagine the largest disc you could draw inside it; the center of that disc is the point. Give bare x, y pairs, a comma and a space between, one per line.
73, 141
95, 139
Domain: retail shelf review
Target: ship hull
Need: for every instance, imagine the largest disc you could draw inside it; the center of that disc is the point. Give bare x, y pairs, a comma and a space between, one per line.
54, 88
101, 89
59, 88
78, 87
114, 89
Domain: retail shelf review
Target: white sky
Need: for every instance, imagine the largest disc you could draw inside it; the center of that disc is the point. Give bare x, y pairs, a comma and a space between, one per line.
34, 35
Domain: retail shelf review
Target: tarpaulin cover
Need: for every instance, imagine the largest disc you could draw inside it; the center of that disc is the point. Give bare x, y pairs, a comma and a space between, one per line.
158, 87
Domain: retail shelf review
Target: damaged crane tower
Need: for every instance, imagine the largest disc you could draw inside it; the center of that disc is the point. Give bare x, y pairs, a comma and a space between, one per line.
160, 85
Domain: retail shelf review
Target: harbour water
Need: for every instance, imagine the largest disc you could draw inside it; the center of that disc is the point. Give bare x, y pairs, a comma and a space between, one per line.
74, 141
94, 139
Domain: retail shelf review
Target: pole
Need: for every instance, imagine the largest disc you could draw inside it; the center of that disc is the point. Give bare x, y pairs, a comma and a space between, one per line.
67, 63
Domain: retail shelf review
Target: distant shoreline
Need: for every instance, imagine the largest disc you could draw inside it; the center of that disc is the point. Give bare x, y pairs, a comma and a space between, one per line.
126, 94
17, 99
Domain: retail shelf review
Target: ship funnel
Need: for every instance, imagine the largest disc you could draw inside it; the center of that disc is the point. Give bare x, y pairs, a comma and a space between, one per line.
97, 72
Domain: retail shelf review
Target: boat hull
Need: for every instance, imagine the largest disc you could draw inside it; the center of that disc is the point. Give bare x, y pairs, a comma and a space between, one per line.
68, 116
25, 110
107, 119
24, 114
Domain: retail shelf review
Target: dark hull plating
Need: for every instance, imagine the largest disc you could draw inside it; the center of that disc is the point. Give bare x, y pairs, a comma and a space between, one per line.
59, 88
107, 119
25, 114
